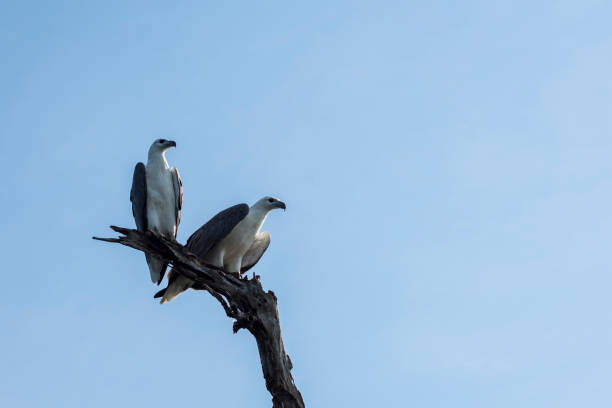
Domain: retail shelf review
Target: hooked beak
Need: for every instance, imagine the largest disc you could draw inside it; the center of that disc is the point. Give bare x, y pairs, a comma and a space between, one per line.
171, 143
280, 204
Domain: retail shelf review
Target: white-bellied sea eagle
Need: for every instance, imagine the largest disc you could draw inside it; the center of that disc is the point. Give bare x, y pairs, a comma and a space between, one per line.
157, 199
230, 240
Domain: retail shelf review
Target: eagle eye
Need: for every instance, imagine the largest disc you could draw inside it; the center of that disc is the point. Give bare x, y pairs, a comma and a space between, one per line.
162, 140
270, 200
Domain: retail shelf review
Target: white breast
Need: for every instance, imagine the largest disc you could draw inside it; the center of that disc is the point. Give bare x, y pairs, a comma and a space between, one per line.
241, 238
160, 200
233, 247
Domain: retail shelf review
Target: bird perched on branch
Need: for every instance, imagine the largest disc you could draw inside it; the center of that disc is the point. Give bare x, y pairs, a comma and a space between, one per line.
157, 199
230, 240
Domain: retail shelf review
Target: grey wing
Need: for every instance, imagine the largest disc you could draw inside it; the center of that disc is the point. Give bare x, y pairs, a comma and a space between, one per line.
256, 251
178, 194
201, 241
138, 197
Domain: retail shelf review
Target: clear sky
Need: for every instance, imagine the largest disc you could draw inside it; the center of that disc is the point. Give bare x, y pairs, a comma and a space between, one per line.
446, 168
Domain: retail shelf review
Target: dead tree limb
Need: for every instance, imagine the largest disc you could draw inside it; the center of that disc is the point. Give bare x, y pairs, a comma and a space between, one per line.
242, 299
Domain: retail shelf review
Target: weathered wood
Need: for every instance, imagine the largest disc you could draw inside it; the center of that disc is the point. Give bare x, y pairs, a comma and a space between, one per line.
242, 299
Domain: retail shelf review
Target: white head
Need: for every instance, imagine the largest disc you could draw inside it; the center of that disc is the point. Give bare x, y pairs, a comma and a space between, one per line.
269, 203
161, 145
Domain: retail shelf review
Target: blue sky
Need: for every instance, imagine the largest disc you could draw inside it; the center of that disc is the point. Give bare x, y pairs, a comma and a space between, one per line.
446, 169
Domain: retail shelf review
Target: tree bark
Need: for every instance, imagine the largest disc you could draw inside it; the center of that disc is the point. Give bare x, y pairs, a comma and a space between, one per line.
242, 299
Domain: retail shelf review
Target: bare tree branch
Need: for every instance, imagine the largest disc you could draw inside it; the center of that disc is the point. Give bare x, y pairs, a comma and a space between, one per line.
242, 299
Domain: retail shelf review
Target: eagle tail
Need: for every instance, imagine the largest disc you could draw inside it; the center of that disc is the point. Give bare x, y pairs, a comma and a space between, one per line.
157, 268
176, 285
160, 293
